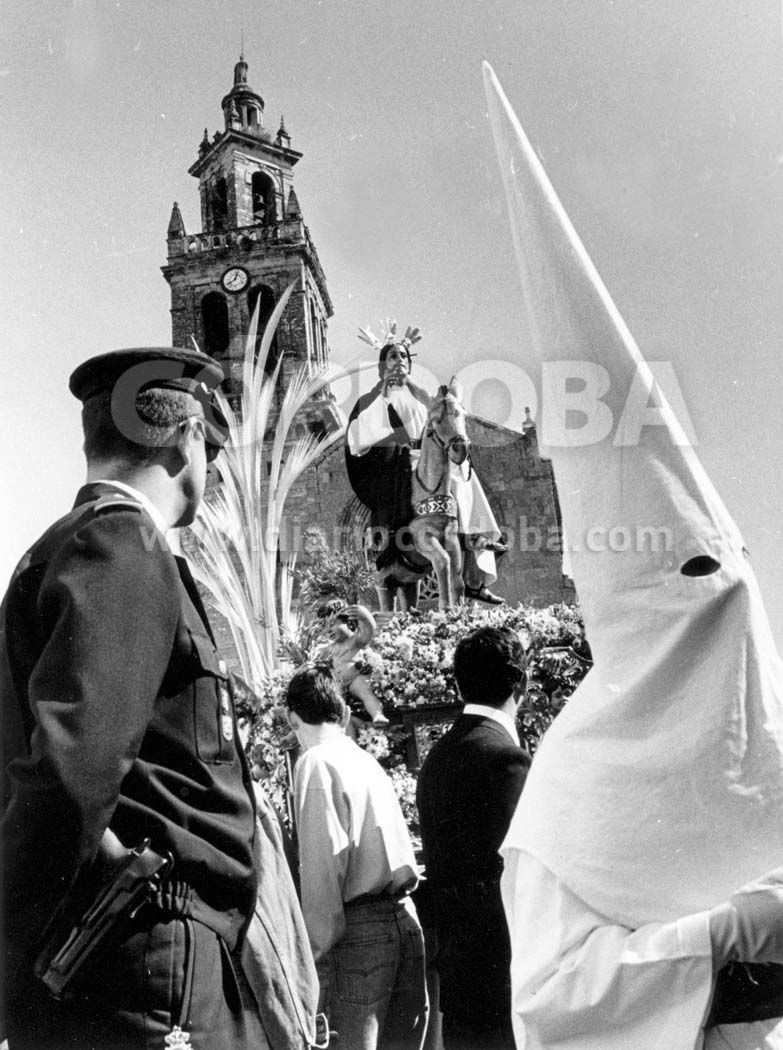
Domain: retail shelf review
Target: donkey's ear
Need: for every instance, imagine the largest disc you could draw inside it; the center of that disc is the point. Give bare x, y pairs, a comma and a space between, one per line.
455, 388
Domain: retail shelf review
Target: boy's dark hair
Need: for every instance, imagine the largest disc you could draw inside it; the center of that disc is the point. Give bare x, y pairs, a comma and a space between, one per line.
314, 695
155, 414
489, 664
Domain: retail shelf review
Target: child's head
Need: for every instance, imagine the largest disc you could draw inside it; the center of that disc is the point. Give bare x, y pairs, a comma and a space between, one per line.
342, 627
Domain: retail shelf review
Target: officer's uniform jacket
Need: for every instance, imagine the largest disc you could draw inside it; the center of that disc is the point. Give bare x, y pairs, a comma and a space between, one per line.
117, 712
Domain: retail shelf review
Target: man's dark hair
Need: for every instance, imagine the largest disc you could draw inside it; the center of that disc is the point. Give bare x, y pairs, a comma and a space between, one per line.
489, 664
156, 413
314, 695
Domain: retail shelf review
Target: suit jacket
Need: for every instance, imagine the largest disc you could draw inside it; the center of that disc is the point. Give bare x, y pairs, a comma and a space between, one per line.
467, 792
117, 713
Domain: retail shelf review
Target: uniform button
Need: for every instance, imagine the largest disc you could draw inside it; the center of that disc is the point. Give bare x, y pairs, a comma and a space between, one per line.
184, 792
222, 667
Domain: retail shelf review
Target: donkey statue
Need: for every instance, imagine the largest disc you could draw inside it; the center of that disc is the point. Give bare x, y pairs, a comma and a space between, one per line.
432, 536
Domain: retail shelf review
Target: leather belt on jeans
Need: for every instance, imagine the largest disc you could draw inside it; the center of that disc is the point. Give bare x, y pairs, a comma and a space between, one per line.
377, 898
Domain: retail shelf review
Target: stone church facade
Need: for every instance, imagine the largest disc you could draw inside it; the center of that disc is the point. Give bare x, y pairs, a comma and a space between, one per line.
252, 244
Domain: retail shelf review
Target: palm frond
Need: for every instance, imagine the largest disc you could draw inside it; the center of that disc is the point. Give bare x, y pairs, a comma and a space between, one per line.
236, 556
258, 367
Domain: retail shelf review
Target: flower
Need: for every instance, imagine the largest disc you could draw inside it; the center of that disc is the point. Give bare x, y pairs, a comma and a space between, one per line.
375, 742
367, 661
404, 784
405, 647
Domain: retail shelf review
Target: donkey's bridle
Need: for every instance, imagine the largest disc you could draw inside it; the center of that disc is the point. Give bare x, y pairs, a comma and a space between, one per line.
446, 446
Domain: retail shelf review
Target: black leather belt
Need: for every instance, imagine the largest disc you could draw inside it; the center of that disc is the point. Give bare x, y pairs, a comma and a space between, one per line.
378, 898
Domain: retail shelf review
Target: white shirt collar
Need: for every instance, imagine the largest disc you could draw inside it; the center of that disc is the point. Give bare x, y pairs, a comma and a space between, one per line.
496, 715
145, 501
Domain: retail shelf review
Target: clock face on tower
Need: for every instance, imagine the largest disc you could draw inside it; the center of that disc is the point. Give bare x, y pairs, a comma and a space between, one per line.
235, 279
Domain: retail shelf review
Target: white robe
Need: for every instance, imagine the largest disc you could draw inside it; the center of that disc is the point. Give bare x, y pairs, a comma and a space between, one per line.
658, 790
582, 982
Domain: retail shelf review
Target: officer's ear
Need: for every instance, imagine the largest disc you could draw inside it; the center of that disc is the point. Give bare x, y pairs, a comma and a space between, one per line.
293, 719
190, 432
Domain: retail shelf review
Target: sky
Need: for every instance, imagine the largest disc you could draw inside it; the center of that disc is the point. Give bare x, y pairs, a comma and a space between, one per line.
659, 123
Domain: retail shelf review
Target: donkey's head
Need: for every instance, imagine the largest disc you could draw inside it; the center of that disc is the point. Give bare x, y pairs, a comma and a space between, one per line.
447, 421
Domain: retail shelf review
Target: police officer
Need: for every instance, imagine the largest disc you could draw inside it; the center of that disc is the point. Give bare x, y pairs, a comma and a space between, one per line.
118, 726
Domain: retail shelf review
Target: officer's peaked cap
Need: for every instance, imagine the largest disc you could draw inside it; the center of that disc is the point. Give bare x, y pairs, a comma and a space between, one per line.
166, 367
130, 372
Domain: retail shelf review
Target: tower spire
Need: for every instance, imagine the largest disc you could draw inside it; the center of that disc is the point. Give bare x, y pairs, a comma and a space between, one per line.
242, 107
240, 71
283, 138
176, 225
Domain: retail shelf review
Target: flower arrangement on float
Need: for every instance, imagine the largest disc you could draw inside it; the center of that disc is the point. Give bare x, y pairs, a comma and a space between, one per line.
409, 667
410, 664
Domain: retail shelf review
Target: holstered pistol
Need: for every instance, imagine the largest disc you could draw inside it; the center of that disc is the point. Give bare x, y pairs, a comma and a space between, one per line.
136, 879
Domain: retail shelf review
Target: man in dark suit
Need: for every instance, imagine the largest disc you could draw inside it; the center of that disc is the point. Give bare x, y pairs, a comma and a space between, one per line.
119, 726
467, 793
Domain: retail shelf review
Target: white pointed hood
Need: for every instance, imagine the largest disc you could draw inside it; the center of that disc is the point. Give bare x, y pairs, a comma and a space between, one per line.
659, 789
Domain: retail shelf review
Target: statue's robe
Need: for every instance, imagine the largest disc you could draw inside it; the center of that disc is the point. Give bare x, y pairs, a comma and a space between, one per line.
382, 446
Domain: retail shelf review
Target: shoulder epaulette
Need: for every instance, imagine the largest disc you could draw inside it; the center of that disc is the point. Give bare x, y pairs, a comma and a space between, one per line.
117, 501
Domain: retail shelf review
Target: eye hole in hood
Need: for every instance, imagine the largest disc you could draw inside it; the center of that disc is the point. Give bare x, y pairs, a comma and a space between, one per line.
702, 565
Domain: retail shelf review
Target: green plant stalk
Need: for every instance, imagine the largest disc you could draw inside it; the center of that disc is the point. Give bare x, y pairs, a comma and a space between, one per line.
237, 538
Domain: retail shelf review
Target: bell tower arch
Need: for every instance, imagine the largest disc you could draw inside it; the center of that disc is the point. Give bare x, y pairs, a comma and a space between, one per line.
253, 242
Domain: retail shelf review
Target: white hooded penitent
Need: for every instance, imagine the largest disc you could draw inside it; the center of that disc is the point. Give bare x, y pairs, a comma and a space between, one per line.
658, 790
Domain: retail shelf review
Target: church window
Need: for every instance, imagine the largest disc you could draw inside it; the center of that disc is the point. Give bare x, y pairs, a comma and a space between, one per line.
264, 295
214, 317
220, 205
263, 191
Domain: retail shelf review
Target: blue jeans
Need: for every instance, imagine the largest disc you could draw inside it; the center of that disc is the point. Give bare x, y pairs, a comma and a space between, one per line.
377, 986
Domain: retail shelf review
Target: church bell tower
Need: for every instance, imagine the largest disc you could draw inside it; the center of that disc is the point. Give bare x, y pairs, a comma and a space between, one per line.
253, 243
